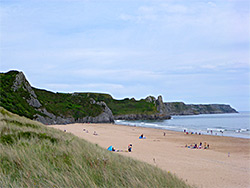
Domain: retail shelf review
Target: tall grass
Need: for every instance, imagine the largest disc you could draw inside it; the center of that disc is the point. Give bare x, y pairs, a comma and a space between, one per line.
32, 155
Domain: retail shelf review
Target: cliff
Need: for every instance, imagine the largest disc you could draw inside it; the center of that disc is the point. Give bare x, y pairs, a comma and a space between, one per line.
156, 112
19, 97
180, 108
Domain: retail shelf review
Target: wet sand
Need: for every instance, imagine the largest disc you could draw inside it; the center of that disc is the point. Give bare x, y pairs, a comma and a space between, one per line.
226, 164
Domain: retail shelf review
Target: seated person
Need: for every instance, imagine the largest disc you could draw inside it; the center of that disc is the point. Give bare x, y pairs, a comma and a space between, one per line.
129, 147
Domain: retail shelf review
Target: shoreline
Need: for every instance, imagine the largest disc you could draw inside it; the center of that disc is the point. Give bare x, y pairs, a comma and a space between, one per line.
227, 124
182, 131
226, 163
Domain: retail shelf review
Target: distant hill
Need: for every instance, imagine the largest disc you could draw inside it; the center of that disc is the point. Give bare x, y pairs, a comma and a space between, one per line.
19, 97
34, 155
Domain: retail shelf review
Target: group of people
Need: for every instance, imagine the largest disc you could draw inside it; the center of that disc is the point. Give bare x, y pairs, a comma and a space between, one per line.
195, 146
112, 148
186, 132
94, 133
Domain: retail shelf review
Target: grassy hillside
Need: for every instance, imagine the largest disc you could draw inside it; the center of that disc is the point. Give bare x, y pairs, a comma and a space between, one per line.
124, 106
68, 105
76, 105
14, 101
32, 155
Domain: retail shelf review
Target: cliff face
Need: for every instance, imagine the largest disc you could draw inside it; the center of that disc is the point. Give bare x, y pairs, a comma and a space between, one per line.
159, 114
36, 104
180, 108
19, 97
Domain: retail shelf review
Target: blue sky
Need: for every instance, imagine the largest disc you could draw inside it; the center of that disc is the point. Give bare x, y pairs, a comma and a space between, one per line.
192, 51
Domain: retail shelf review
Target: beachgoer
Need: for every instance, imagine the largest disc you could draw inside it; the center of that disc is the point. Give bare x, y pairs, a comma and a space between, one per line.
141, 137
129, 147
164, 134
207, 146
113, 148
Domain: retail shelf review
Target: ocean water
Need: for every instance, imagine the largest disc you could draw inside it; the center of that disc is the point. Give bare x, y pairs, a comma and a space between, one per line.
234, 125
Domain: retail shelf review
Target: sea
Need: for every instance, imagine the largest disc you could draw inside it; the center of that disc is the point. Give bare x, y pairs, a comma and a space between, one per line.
232, 124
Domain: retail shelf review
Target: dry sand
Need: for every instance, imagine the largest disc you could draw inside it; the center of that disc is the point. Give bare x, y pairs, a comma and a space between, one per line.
225, 164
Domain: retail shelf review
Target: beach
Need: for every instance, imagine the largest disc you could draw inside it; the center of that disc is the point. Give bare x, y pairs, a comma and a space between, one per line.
225, 164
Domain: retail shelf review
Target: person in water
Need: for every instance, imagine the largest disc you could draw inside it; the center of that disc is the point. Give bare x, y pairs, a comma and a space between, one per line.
129, 147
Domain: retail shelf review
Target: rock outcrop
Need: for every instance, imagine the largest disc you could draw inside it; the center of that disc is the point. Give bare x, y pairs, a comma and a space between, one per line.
161, 113
21, 82
47, 107
180, 108
49, 118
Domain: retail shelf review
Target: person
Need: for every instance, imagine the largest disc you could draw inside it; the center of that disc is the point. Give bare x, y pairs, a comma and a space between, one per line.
205, 145
141, 137
129, 147
164, 134
113, 148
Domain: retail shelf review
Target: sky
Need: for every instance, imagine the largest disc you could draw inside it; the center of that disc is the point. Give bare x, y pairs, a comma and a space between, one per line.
193, 51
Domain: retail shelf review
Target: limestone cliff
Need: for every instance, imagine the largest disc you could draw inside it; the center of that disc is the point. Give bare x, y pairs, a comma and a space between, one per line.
21, 98
180, 108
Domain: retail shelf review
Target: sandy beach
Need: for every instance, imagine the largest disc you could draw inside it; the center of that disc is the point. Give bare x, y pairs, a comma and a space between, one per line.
226, 164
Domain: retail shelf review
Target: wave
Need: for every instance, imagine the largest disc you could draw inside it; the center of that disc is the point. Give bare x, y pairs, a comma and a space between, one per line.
216, 129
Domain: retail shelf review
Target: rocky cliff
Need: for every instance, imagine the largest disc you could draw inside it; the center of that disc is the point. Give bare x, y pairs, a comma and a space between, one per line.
180, 108
159, 114
18, 96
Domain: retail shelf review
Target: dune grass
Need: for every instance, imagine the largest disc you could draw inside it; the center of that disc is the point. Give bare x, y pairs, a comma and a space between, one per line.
33, 155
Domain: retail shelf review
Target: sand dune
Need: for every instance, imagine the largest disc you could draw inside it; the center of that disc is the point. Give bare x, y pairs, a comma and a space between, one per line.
225, 164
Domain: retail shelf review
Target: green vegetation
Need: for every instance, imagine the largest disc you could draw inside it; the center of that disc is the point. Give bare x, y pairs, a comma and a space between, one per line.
76, 105
14, 101
125, 106
131, 106
60, 104
68, 105
33, 155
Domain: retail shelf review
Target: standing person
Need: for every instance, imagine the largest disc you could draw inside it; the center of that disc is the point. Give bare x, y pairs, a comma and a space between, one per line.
129, 147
